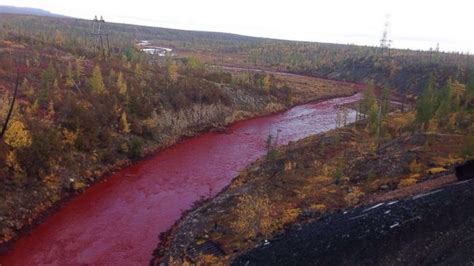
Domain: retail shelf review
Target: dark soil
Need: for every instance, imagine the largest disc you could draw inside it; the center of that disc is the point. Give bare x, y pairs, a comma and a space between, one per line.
436, 227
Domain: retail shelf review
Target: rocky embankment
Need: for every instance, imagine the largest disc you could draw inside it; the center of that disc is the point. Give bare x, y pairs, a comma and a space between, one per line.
431, 228
25, 206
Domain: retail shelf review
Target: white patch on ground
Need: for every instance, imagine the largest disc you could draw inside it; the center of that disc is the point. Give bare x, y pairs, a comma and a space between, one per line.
359, 216
374, 207
427, 194
394, 225
146, 47
392, 202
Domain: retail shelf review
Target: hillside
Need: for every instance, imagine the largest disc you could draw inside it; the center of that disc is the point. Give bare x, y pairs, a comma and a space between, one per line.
26, 11
83, 111
80, 115
406, 71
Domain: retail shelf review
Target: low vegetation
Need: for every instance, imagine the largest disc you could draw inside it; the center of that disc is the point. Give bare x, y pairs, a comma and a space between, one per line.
82, 112
385, 154
79, 115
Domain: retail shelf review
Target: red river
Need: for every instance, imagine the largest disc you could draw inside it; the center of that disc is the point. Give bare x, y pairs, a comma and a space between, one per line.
118, 221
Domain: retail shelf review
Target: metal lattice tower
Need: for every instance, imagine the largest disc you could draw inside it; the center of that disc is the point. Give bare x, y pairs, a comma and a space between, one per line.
100, 39
385, 42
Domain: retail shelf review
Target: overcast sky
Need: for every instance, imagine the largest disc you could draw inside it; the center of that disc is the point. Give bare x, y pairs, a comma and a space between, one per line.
415, 24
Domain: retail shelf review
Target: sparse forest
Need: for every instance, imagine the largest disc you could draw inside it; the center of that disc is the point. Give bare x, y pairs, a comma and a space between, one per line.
73, 112
79, 115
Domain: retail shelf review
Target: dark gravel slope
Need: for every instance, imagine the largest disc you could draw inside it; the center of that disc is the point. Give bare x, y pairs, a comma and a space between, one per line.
432, 228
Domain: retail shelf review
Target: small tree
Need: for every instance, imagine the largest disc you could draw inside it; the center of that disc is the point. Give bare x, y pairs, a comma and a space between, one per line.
266, 84
69, 76
445, 105
369, 100
193, 64
58, 38
253, 216
374, 116
121, 84
79, 68
425, 105
138, 70
17, 136
385, 101
124, 125
96, 82
469, 92
270, 147
43, 92
467, 150
171, 71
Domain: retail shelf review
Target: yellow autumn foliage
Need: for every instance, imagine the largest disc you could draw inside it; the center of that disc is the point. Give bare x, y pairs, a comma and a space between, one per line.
253, 216
415, 167
354, 197
290, 215
436, 170
124, 125
17, 136
319, 207
209, 260
121, 84
407, 182
70, 137
12, 162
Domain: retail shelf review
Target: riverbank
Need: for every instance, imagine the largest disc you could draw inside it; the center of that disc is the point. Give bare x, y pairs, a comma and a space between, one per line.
305, 180
109, 181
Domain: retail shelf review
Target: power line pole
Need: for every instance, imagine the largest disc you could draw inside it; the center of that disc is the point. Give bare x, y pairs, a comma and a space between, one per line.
100, 39
385, 42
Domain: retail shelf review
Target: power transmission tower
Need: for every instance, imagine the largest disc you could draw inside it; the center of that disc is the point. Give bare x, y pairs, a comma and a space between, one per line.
385, 42
100, 39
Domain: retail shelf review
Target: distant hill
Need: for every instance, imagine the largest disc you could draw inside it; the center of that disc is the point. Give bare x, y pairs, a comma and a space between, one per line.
27, 11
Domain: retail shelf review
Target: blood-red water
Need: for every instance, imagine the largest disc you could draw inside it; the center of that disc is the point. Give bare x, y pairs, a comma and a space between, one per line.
118, 221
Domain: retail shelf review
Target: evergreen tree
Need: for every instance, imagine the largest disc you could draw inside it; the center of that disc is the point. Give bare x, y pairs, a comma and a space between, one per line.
385, 101
43, 93
444, 104
374, 117
425, 105
369, 100
469, 92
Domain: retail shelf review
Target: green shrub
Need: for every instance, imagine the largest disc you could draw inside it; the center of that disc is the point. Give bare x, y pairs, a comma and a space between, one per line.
135, 148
